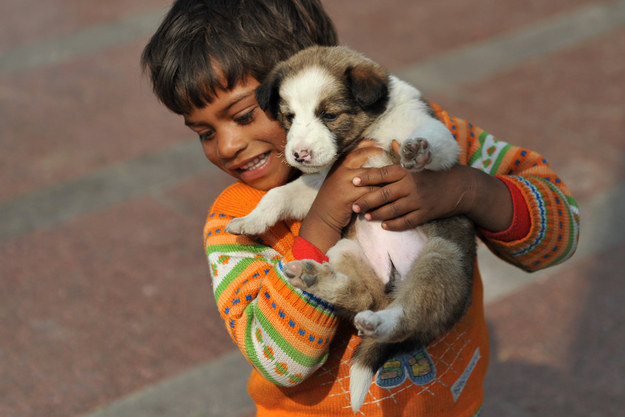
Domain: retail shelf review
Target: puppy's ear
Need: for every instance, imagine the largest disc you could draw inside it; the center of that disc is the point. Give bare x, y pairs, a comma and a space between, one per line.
268, 93
368, 83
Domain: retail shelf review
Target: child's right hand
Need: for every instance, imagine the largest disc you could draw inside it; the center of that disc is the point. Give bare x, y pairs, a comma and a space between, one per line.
332, 208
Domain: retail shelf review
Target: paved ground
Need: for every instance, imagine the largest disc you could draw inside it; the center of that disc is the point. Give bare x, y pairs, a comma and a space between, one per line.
105, 303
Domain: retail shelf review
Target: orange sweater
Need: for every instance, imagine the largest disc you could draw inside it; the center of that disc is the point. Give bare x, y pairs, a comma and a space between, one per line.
300, 350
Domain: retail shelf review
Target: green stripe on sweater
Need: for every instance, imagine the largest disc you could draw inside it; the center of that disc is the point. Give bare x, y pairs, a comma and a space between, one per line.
241, 266
293, 353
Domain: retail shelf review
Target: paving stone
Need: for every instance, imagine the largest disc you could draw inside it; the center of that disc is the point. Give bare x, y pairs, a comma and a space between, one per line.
103, 306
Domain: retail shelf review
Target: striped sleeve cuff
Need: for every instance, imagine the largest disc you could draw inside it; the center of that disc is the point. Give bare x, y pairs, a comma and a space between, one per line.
521, 221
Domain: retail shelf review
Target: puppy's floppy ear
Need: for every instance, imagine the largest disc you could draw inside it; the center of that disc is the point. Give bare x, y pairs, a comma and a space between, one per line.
368, 83
268, 93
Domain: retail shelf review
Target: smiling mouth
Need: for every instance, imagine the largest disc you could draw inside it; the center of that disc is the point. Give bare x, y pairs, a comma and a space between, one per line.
256, 163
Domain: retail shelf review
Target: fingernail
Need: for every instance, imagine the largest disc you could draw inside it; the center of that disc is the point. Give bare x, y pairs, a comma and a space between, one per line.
356, 181
368, 216
384, 226
356, 208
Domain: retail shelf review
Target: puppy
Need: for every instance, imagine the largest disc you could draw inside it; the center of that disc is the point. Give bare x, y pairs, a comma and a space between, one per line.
401, 289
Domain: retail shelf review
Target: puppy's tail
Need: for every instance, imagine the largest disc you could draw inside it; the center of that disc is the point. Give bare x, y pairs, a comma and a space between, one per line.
360, 377
369, 356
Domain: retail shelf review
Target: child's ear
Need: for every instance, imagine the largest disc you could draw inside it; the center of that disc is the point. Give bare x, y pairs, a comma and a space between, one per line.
268, 93
368, 83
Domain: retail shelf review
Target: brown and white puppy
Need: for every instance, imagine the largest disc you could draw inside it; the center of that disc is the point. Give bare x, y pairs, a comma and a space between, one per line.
400, 288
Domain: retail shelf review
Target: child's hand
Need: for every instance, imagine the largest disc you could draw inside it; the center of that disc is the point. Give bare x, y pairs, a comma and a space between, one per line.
332, 209
405, 199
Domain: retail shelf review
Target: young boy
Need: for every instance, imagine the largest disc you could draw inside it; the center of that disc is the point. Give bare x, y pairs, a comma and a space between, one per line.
205, 61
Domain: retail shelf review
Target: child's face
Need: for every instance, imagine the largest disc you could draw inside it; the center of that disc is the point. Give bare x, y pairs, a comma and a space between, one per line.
240, 139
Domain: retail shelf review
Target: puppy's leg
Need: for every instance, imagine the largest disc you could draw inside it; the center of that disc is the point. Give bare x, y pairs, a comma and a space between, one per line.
431, 146
290, 201
436, 292
347, 281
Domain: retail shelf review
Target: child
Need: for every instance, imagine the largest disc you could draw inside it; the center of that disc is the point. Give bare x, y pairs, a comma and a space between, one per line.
205, 61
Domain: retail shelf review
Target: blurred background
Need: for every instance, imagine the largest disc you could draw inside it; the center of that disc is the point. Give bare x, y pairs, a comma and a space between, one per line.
106, 308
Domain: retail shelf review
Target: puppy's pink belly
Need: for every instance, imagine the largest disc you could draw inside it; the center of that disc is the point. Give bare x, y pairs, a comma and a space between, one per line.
381, 247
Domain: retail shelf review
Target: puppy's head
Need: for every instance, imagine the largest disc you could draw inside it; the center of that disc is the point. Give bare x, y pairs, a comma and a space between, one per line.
325, 97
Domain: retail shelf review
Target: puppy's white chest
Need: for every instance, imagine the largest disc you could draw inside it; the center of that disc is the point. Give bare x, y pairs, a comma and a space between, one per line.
386, 249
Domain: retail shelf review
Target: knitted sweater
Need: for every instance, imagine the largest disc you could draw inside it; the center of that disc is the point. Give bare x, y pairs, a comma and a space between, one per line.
300, 350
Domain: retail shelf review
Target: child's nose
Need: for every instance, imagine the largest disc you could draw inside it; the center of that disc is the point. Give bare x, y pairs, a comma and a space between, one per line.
230, 143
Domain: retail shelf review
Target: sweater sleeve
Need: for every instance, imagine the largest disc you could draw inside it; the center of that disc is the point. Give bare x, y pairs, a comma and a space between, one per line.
283, 332
554, 219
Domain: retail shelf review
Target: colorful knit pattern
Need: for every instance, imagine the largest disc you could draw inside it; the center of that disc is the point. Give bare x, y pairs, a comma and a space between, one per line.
554, 213
284, 333
296, 342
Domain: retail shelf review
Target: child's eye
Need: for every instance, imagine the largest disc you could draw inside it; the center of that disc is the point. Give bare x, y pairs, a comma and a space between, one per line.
206, 136
247, 118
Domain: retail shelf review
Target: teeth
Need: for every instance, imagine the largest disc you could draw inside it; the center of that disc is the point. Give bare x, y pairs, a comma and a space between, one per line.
258, 161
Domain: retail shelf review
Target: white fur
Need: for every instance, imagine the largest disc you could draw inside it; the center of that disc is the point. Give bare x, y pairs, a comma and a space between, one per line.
379, 324
359, 382
407, 117
279, 204
308, 133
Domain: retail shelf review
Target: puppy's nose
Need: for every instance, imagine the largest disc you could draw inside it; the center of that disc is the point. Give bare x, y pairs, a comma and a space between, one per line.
302, 155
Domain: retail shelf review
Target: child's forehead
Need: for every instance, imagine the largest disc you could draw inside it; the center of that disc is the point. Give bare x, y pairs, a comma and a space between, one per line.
226, 99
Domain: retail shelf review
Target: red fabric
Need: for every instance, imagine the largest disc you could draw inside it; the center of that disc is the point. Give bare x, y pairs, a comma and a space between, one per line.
303, 249
521, 221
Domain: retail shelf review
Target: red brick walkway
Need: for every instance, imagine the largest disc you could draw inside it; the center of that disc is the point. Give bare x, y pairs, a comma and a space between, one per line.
105, 301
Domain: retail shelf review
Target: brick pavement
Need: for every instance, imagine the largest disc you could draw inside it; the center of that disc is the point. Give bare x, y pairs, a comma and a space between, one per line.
106, 309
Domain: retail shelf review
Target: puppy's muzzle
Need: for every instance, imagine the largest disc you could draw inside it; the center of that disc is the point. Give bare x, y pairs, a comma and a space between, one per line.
302, 155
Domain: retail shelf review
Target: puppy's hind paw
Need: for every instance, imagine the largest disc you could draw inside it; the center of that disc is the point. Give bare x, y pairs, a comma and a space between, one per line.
318, 279
366, 322
379, 325
304, 274
415, 154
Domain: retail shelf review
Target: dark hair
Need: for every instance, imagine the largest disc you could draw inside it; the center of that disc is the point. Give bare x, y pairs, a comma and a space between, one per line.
205, 45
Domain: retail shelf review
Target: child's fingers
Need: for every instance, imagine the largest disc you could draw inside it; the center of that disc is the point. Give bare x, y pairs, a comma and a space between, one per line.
407, 222
379, 176
393, 210
379, 197
396, 145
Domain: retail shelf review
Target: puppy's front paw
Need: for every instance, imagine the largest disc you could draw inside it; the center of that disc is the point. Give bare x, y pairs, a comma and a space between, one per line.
415, 154
236, 226
244, 226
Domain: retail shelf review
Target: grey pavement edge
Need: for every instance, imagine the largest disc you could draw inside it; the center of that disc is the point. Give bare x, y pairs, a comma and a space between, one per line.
205, 388
135, 177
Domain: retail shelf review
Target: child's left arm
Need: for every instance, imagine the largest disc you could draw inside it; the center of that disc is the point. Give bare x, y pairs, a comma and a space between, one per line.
524, 212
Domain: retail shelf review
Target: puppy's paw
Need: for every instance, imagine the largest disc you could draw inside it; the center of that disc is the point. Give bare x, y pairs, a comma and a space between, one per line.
302, 274
244, 226
378, 325
315, 278
236, 226
415, 154
367, 323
